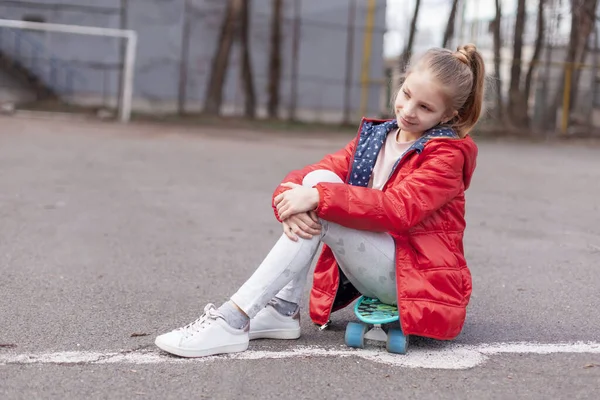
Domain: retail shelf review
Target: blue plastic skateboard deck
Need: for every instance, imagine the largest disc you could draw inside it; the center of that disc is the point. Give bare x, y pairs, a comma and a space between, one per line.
373, 312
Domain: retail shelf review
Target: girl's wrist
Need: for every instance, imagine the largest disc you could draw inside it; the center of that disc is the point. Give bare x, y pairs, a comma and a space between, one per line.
315, 198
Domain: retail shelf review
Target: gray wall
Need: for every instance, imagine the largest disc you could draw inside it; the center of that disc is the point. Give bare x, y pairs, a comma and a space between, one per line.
14, 91
94, 61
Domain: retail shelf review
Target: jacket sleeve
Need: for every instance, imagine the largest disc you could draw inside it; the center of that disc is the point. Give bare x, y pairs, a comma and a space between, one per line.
338, 163
426, 189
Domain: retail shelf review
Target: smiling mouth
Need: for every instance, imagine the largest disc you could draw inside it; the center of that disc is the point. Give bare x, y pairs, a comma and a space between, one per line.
406, 122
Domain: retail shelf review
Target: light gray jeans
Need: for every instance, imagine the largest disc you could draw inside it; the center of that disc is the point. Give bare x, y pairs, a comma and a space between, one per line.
366, 258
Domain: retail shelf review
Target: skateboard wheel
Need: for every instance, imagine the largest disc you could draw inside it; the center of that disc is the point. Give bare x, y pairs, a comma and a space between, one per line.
355, 335
397, 342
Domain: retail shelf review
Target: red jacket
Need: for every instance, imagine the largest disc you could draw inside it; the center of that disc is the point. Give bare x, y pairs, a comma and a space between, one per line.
422, 206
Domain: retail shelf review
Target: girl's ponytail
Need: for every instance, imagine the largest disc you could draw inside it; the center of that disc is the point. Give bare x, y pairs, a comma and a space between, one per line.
469, 113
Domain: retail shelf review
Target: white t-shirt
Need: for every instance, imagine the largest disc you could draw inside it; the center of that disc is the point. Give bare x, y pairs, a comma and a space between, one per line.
389, 154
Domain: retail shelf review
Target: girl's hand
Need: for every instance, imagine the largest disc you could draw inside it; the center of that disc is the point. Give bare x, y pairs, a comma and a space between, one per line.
305, 225
297, 200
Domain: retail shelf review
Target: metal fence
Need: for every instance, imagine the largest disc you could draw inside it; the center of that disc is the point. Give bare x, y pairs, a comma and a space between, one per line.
336, 71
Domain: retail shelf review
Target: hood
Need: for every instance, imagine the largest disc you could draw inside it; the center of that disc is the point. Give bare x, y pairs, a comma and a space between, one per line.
469, 149
466, 145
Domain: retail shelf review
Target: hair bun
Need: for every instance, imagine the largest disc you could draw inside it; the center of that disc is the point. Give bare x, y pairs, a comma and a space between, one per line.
464, 53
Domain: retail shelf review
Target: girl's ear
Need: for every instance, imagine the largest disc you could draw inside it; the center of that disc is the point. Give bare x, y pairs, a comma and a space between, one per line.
449, 117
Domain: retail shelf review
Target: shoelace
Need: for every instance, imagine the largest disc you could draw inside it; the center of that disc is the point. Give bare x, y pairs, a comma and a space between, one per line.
210, 314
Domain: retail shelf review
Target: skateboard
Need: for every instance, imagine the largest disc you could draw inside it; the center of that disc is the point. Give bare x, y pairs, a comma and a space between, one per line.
378, 315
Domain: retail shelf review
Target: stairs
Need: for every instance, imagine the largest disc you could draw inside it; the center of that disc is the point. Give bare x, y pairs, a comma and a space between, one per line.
18, 71
26, 59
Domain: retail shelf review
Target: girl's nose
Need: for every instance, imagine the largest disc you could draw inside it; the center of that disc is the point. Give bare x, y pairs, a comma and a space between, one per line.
409, 110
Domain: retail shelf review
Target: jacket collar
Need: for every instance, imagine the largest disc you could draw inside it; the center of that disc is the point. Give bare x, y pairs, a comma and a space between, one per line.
438, 131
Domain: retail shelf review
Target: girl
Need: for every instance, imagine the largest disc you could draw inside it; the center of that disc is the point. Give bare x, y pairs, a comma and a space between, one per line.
389, 208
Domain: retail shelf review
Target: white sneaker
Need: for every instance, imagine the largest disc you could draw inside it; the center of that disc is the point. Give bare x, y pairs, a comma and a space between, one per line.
270, 324
208, 335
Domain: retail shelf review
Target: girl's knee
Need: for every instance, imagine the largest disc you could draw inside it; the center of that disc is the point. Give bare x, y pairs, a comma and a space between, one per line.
320, 175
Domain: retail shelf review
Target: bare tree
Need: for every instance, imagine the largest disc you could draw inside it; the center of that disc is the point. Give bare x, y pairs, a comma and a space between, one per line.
246, 70
449, 33
594, 83
553, 26
497, 60
407, 53
582, 22
220, 61
539, 42
516, 102
275, 59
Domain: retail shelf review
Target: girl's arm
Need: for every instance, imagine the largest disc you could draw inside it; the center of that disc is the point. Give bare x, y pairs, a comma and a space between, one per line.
402, 206
338, 163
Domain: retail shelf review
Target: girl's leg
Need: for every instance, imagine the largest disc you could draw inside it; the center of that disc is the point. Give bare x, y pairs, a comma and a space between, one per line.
366, 258
294, 290
226, 330
284, 271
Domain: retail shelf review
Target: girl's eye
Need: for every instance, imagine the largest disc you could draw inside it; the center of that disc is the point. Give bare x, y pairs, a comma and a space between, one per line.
406, 94
425, 108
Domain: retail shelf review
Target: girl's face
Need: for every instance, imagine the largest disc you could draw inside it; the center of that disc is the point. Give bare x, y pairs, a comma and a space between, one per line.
420, 104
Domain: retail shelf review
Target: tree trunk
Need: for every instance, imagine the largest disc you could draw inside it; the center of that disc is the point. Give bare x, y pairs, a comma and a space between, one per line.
220, 62
516, 102
586, 22
594, 83
407, 53
497, 61
582, 22
539, 42
550, 105
275, 59
246, 70
449, 33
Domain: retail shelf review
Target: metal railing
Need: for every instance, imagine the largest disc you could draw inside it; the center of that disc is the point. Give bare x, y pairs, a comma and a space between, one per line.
21, 47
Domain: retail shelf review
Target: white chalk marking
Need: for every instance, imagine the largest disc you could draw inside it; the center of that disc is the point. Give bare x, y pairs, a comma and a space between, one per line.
446, 357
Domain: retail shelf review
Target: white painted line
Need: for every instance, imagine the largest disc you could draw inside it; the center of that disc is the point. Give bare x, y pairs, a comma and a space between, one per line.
448, 357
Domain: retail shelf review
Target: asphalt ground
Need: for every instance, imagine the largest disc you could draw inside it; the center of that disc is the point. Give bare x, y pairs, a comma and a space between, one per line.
112, 234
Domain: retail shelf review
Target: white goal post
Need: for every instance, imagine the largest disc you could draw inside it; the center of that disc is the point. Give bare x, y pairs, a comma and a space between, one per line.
129, 35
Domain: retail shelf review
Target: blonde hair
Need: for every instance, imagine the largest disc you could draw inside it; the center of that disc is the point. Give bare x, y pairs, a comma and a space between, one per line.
462, 75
